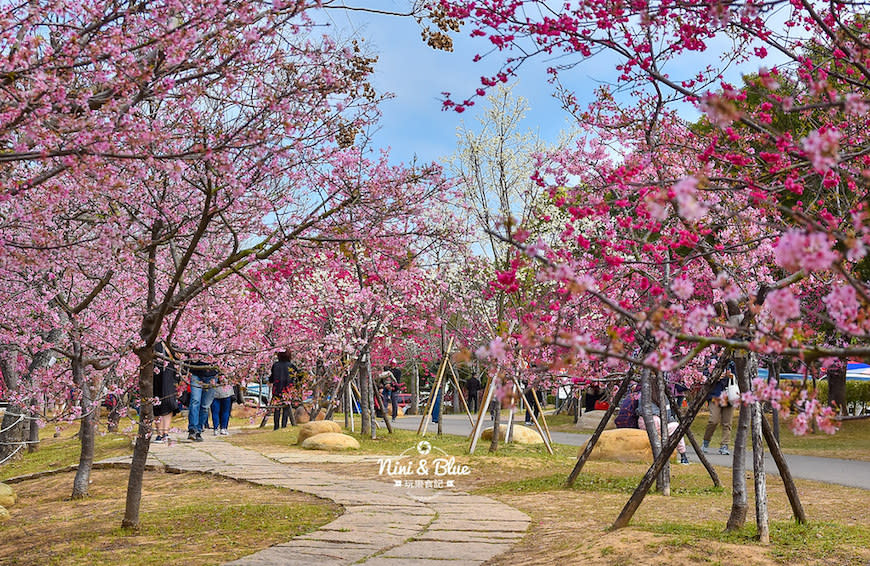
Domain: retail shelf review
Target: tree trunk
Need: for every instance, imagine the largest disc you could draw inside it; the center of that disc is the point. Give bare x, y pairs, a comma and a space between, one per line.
646, 482
372, 391
13, 433
739, 498
415, 391
762, 519
88, 423
143, 437
663, 429
365, 415
655, 440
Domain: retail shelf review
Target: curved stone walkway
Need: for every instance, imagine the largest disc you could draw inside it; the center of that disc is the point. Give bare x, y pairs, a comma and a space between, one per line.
381, 524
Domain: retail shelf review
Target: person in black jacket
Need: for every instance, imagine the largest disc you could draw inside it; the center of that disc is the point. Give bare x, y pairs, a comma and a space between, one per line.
472, 384
165, 379
284, 375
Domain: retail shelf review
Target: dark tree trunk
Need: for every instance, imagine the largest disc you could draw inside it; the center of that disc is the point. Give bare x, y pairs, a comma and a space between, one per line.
143, 437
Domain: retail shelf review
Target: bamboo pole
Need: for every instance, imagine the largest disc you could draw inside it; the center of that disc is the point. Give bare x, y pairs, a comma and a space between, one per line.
484, 408
459, 392
544, 437
424, 423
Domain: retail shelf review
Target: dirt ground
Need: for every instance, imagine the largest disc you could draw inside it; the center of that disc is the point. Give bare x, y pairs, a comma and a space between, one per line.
571, 526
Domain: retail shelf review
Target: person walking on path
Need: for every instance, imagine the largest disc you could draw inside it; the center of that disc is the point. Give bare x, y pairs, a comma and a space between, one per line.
388, 387
283, 377
720, 415
221, 408
202, 388
473, 386
165, 380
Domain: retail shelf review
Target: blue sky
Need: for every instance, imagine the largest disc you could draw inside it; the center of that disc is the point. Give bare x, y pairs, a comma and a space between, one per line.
413, 122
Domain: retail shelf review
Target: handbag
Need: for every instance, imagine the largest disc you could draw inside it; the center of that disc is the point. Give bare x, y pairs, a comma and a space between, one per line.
732, 392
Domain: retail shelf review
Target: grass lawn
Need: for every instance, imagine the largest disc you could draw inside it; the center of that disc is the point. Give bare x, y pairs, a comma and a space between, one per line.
852, 441
571, 525
187, 518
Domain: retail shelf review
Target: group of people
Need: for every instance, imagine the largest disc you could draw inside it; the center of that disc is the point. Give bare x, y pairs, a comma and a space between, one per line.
721, 415
208, 391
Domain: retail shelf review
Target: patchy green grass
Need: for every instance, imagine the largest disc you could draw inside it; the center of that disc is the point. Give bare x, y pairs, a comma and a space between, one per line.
56, 453
793, 543
186, 519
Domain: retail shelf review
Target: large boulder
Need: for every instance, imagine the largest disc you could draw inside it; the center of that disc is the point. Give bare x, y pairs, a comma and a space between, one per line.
622, 445
301, 415
314, 428
522, 434
590, 420
330, 441
8, 498
321, 415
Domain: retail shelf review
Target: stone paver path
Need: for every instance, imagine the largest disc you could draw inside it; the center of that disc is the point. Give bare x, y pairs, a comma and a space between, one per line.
382, 524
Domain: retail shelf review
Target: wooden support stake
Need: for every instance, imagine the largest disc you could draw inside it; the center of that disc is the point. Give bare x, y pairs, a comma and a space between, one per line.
484, 408
459, 392
544, 437
424, 423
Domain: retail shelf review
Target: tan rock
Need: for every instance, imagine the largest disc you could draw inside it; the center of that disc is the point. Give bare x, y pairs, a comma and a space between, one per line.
301, 415
622, 445
590, 420
4, 514
330, 441
522, 434
316, 427
321, 415
8, 498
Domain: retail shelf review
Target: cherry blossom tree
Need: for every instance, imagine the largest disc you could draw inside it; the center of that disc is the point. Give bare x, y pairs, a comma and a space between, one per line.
698, 234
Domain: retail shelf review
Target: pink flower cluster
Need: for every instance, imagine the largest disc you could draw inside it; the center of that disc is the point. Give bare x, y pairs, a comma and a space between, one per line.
843, 306
782, 305
798, 250
822, 148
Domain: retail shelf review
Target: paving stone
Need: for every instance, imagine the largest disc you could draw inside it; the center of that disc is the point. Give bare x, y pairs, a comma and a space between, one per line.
469, 536
440, 550
382, 524
394, 561
480, 525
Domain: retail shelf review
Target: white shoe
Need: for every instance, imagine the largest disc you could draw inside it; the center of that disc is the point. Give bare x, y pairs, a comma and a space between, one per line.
215, 432
224, 432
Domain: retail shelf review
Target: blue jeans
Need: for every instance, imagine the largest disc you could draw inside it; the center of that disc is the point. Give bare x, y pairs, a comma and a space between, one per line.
390, 398
200, 401
436, 408
220, 412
